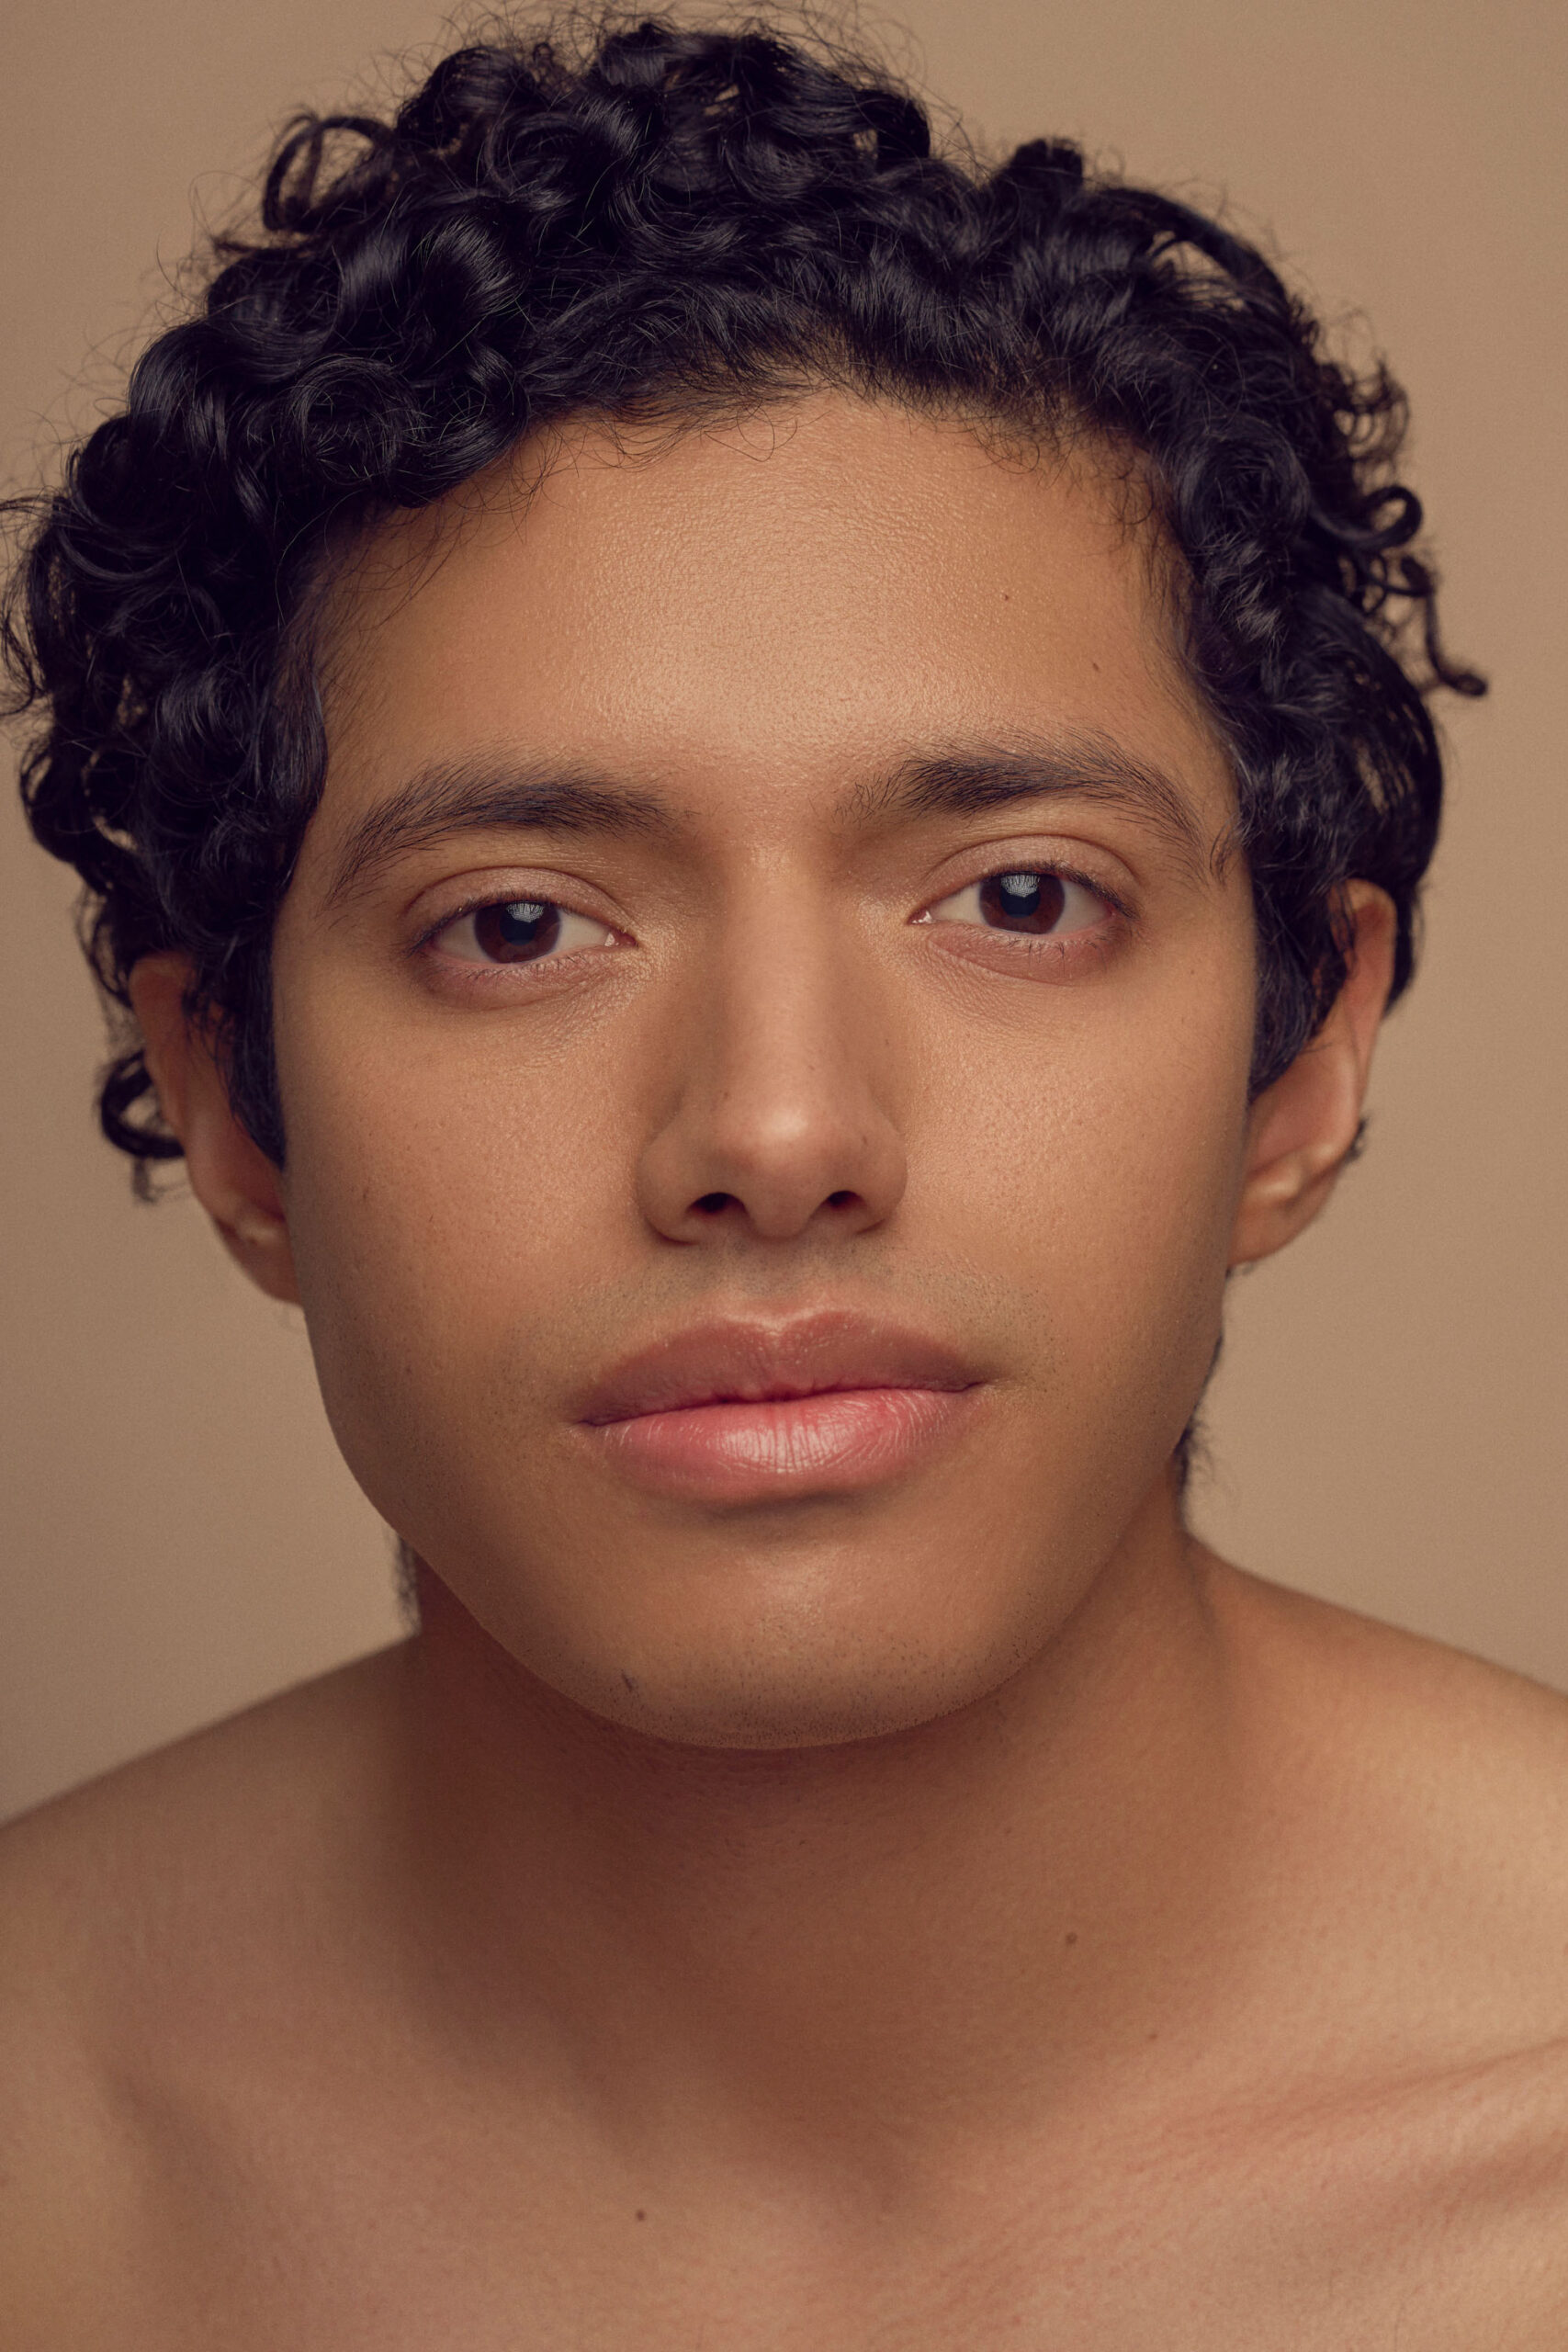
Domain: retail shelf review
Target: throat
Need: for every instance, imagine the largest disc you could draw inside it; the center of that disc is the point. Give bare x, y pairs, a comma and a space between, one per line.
944, 1926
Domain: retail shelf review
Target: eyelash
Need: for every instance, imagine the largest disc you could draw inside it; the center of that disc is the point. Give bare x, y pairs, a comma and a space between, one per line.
423, 944
1045, 870
1057, 945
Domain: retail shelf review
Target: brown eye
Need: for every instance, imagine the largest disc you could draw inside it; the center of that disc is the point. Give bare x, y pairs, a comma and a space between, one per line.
1037, 904
519, 931
1023, 901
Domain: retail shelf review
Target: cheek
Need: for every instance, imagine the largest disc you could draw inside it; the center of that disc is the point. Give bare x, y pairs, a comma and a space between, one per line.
1100, 1172
443, 1206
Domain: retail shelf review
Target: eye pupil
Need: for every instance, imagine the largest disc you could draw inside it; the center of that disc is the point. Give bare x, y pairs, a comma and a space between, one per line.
518, 931
1024, 901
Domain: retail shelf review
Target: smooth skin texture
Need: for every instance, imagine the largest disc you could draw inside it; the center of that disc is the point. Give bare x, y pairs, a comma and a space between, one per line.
925, 1905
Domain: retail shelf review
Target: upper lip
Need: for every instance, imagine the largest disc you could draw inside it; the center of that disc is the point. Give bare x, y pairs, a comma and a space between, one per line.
746, 1361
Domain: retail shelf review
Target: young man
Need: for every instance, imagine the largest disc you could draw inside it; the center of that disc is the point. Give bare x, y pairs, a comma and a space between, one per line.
756, 802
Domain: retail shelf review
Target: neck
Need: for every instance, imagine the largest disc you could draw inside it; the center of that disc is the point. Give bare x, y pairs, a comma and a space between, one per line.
942, 1923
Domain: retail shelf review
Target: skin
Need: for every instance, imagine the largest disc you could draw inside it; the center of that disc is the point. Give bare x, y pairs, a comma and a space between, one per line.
947, 1908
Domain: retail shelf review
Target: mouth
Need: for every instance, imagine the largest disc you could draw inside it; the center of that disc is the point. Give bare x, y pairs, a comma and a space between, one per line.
749, 1412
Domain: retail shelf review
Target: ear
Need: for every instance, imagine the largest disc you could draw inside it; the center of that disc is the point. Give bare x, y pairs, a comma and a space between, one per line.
1301, 1129
231, 1176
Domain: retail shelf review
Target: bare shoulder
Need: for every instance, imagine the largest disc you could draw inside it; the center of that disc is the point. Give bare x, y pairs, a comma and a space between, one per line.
1406, 1814
140, 1915
1422, 1793
128, 1858
1471, 1737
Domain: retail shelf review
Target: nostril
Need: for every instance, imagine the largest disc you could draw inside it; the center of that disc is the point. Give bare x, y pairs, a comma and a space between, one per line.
713, 1203
842, 1200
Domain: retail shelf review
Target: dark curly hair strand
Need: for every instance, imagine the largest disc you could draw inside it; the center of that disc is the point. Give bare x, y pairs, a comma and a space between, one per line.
643, 222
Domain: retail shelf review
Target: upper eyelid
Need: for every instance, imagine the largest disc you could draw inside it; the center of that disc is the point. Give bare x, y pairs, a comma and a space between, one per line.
1041, 850
1117, 899
473, 902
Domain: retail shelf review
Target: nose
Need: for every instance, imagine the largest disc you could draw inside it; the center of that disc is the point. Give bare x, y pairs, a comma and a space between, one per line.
775, 1121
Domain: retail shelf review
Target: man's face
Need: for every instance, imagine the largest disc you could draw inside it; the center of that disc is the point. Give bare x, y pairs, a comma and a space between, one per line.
762, 935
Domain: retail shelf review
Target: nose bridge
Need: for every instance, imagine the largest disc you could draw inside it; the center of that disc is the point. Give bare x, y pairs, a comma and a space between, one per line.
780, 1104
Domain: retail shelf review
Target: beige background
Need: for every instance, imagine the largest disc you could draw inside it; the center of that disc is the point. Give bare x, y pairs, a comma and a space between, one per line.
179, 1536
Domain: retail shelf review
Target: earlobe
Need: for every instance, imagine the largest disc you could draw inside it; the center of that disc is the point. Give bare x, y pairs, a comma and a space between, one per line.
1304, 1127
229, 1174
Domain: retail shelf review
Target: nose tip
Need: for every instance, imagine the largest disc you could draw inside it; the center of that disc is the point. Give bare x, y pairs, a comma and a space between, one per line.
777, 1128
763, 1207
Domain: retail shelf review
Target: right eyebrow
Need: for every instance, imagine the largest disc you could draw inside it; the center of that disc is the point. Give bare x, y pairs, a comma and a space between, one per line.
461, 797
972, 779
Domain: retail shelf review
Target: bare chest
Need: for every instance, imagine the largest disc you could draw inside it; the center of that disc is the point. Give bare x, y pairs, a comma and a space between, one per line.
1359, 2231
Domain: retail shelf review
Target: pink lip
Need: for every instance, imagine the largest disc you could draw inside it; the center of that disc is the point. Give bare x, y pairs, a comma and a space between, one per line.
737, 1412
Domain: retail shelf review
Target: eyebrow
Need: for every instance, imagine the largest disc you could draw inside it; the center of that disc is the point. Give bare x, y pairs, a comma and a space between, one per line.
449, 797
970, 781
461, 797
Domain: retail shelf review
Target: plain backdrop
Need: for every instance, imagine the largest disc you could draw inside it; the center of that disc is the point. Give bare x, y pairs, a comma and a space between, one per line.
179, 1535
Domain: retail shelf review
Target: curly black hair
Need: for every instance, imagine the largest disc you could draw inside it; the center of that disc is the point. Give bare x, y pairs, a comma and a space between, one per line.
643, 220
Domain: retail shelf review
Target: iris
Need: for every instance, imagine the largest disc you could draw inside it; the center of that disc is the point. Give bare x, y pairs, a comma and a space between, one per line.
1023, 901
517, 932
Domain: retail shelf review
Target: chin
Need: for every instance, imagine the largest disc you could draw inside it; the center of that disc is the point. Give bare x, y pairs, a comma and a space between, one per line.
785, 1696
773, 1720
760, 1644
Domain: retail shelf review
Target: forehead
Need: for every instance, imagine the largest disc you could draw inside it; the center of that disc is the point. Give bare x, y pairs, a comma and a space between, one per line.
787, 596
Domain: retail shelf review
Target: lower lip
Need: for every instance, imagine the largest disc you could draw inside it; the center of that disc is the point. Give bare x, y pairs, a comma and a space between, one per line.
837, 1442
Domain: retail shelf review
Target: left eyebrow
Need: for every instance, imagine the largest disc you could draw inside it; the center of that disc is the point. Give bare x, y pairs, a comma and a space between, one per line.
462, 797
971, 780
